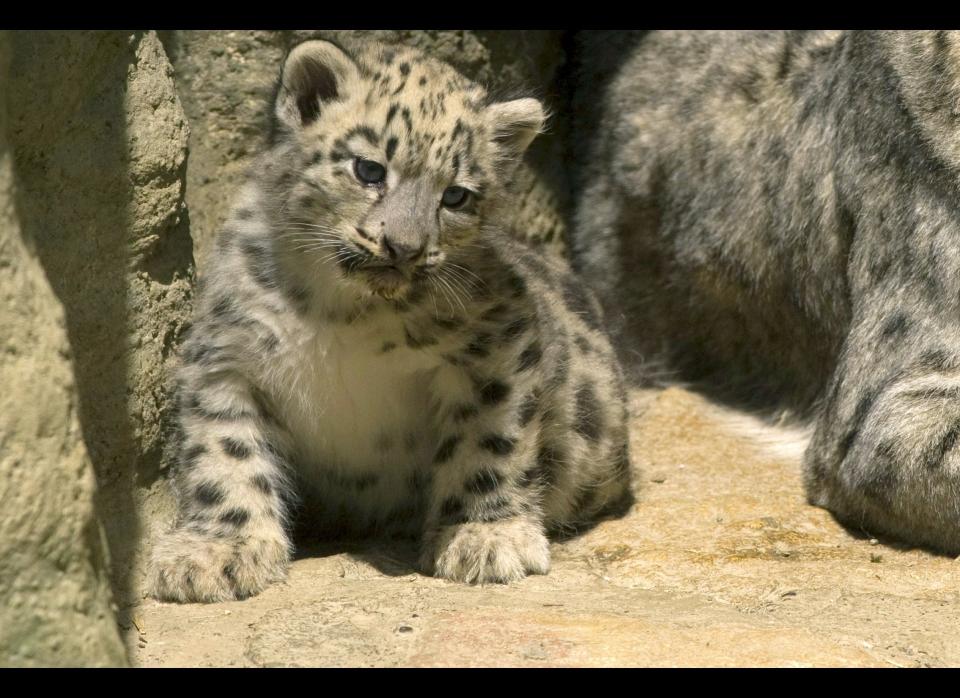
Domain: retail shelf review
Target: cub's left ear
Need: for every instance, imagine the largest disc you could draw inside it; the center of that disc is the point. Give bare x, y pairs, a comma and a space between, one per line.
514, 124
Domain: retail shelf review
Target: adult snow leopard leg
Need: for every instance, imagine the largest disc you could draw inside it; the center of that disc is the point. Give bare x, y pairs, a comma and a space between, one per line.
885, 456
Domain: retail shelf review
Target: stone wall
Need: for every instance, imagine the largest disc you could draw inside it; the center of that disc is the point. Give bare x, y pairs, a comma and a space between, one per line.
104, 220
54, 593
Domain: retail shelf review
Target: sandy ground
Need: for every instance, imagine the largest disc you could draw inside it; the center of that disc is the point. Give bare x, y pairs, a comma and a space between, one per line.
721, 563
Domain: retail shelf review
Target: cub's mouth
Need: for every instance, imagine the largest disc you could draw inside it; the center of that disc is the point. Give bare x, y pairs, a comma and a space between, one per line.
386, 280
382, 277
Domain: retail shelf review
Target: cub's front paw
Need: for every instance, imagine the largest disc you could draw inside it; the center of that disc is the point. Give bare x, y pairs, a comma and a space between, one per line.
478, 553
188, 566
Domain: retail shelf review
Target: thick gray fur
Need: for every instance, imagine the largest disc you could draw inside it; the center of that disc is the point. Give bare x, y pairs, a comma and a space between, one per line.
775, 215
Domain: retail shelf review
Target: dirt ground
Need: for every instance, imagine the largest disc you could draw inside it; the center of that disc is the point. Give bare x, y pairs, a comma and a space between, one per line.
721, 563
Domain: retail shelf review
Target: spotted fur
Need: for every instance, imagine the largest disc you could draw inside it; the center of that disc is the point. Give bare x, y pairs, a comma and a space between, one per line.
778, 212
367, 360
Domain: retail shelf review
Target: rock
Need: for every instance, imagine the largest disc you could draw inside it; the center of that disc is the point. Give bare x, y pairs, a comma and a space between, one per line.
100, 143
54, 588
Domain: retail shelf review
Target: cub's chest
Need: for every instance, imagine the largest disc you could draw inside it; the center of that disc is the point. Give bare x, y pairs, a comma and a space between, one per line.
351, 395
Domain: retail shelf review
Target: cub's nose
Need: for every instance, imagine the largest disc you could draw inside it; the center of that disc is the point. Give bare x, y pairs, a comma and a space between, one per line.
400, 252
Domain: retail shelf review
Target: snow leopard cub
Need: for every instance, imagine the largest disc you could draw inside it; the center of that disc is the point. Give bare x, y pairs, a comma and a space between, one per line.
369, 343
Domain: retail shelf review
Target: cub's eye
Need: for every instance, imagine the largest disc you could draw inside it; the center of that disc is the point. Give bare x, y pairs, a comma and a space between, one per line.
368, 171
455, 197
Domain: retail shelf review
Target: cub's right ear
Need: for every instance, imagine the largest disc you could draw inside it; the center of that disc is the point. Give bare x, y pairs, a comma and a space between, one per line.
314, 74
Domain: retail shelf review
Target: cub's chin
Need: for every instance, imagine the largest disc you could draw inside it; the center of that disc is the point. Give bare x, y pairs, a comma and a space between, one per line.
387, 282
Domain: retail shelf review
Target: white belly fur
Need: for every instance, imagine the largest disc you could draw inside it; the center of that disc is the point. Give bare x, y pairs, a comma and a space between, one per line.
355, 411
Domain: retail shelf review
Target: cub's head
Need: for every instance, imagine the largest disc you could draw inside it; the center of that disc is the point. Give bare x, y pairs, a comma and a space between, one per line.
392, 160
